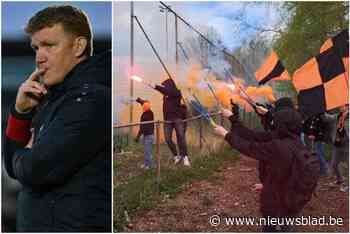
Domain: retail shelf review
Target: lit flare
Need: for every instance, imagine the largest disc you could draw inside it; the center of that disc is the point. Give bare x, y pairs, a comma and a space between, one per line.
136, 78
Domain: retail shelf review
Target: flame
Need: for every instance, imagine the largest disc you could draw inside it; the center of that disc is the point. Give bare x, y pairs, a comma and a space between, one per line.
231, 86
136, 78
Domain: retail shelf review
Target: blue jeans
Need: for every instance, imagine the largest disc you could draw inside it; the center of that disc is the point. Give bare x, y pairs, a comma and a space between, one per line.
302, 138
319, 150
319, 147
148, 143
339, 154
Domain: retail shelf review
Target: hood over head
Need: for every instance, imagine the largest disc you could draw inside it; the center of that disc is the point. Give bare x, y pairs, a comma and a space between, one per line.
283, 103
288, 122
169, 84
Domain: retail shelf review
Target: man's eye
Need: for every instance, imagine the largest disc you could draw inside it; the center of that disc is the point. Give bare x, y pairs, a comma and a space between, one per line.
48, 45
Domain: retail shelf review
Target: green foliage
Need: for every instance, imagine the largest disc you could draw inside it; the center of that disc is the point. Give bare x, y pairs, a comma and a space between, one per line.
308, 25
251, 54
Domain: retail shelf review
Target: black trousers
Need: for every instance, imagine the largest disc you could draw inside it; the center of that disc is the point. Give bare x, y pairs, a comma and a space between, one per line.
180, 129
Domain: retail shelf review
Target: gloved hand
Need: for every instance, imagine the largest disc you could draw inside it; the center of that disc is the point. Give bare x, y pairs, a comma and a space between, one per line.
140, 100
260, 109
219, 130
226, 113
235, 111
257, 187
149, 84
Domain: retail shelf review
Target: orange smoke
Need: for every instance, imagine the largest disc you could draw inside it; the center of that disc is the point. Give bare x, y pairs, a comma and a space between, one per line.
239, 82
193, 75
264, 91
252, 92
224, 96
267, 92
237, 99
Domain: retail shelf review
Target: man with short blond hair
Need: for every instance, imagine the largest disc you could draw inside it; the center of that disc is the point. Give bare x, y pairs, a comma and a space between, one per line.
64, 165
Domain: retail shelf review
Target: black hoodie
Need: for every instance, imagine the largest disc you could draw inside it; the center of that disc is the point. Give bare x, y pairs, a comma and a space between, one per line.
66, 174
171, 100
273, 151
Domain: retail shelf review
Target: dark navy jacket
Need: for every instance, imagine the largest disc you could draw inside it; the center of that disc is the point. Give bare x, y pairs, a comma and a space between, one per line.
66, 175
171, 100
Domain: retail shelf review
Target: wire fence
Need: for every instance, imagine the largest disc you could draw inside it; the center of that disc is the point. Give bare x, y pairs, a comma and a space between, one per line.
136, 189
199, 137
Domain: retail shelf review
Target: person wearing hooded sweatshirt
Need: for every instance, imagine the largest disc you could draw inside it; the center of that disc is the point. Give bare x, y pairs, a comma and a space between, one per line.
147, 130
275, 150
267, 121
314, 137
64, 166
174, 112
340, 150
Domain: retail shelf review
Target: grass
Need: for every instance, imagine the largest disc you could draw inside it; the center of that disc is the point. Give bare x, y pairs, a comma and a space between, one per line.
138, 193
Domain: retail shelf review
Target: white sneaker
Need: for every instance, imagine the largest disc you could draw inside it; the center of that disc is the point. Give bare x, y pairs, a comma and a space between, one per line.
186, 161
177, 159
143, 166
344, 188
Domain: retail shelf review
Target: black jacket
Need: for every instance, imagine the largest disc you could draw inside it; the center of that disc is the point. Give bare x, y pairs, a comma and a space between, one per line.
146, 129
272, 150
171, 100
66, 175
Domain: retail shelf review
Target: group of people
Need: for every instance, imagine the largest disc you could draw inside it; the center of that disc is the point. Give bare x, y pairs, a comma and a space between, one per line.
289, 168
331, 129
290, 162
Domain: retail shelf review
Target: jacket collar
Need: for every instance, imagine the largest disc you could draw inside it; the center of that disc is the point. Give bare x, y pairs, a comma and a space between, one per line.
71, 79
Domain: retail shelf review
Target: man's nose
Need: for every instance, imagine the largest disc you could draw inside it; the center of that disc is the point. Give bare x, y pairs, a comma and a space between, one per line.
40, 57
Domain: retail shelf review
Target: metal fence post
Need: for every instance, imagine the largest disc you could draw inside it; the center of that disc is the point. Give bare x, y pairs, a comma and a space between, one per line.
158, 155
200, 133
243, 116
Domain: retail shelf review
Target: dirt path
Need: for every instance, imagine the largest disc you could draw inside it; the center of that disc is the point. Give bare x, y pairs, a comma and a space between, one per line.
230, 195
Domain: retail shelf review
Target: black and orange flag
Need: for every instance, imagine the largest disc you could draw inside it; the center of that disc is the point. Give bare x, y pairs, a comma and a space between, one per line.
322, 82
271, 69
340, 43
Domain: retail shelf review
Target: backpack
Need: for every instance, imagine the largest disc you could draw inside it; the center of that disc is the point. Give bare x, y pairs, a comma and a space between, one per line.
304, 175
340, 138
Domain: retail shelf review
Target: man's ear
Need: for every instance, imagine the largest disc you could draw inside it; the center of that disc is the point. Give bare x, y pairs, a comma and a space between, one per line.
80, 44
